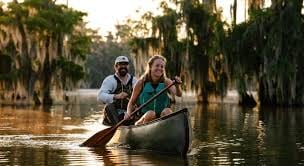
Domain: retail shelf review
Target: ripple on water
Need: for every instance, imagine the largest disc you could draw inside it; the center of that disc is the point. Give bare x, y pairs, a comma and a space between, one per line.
53, 140
219, 151
3, 157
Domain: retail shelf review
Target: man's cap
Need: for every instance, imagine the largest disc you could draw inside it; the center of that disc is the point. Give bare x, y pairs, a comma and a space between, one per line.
121, 59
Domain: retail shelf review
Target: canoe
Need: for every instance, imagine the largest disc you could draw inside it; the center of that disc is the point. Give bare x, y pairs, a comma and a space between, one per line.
168, 134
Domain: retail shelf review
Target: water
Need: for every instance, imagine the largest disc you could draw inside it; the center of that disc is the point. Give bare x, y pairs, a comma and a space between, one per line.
223, 134
226, 134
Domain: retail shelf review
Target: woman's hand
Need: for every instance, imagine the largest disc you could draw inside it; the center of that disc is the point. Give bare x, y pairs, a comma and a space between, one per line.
178, 80
178, 89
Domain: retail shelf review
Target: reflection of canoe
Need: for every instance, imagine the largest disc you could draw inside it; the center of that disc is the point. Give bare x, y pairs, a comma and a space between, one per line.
114, 156
169, 134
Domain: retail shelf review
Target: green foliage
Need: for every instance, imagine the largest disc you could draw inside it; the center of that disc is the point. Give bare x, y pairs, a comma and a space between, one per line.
4, 20
80, 45
70, 69
100, 63
143, 44
51, 18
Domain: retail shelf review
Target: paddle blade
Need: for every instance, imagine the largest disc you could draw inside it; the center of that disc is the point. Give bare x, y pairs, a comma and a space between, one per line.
101, 138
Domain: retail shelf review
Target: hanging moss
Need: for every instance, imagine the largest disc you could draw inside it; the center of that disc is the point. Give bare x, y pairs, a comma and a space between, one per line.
190, 57
268, 49
36, 34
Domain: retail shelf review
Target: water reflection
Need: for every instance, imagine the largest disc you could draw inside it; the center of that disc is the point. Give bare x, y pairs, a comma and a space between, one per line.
226, 134
284, 134
38, 121
118, 156
223, 134
40, 136
48, 136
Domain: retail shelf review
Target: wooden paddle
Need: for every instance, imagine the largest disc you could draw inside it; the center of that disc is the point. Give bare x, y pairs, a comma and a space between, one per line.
102, 137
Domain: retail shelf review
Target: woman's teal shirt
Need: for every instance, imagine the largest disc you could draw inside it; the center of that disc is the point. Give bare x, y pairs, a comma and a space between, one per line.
158, 104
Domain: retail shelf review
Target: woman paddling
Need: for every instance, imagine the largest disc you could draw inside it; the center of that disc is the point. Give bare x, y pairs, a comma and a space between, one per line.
153, 81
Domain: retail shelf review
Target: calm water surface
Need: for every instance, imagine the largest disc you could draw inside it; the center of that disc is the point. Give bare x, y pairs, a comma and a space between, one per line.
223, 134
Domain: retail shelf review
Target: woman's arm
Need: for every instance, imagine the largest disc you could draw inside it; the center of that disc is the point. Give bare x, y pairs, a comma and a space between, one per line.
136, 91
176, 90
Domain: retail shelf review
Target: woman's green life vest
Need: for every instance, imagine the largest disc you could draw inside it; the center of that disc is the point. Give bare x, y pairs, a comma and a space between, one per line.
159, 103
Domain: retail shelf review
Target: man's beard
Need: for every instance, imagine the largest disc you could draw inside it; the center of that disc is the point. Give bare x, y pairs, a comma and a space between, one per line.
122, 71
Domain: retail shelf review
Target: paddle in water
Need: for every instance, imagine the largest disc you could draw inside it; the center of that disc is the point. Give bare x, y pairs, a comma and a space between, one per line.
102, 137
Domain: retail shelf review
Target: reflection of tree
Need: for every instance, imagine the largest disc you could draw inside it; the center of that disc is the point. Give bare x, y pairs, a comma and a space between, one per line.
36, 156
282, 134
42, 120
105, 156
220, 129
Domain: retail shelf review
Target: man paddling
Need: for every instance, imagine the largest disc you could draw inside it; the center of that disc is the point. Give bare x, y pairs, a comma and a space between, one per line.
115, 91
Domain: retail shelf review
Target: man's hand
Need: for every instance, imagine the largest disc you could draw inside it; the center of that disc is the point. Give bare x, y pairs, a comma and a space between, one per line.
121, 95
127, 116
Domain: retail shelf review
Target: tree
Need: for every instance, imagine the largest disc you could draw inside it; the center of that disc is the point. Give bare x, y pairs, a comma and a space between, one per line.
39, 34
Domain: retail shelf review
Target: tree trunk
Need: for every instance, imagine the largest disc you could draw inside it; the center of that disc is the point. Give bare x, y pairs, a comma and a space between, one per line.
47, 75
234, 12
26, 62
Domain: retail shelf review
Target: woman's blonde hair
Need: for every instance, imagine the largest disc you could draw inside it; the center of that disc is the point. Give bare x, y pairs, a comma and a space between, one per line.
147, 75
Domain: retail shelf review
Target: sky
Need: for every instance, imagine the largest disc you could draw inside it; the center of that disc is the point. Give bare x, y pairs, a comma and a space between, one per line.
103, 15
